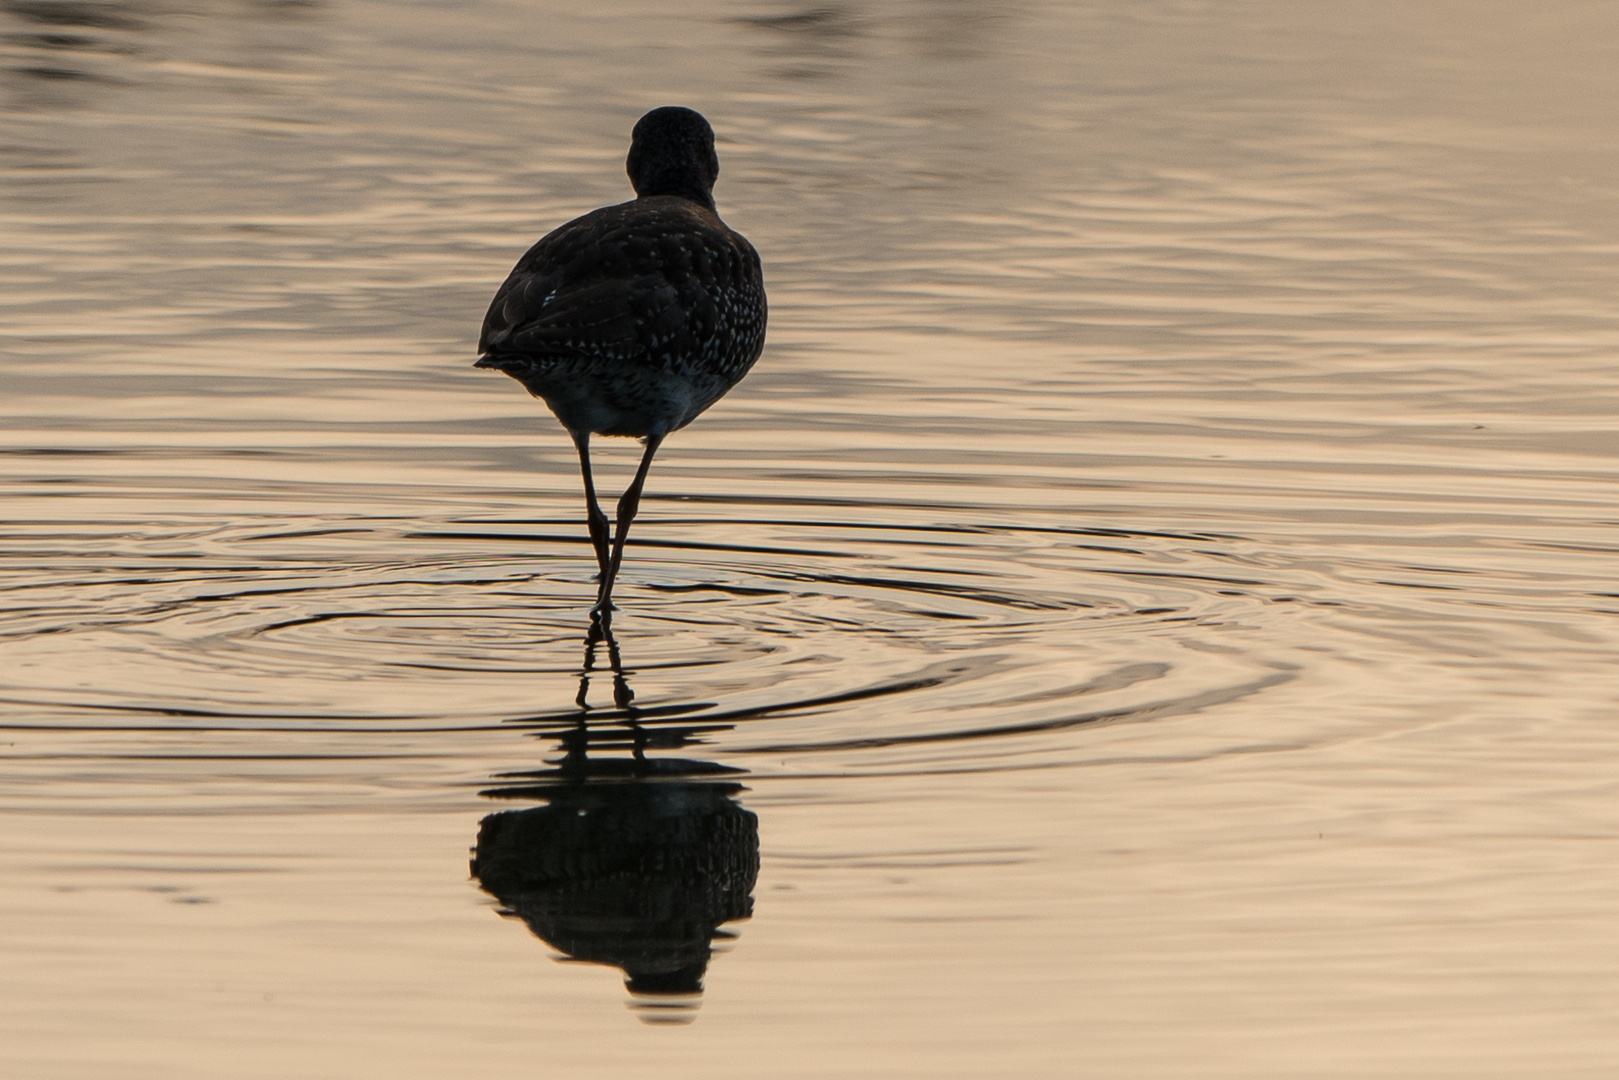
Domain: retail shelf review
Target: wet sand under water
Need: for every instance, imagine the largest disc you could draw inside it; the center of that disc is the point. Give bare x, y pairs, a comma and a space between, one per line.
1150, 613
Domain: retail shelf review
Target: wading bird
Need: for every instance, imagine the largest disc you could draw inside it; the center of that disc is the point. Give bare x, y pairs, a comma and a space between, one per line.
634, 318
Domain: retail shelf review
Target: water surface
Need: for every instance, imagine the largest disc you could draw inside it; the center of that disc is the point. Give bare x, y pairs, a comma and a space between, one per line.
1152, 607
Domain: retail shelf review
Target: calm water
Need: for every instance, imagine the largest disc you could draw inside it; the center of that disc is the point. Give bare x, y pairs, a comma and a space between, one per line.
1153, 606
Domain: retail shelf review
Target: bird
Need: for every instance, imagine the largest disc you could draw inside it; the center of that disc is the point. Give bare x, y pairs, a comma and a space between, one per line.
633, 319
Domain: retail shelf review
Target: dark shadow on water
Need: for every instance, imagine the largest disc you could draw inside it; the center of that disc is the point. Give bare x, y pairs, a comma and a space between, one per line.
635, 861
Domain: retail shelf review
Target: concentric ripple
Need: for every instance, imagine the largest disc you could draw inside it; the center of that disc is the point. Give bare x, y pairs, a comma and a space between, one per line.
860, 645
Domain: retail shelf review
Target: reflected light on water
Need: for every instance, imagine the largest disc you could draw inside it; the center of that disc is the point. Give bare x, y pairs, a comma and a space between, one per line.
1149, 613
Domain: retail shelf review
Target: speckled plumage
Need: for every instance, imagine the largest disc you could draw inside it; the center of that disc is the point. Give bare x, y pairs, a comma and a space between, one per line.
633, 319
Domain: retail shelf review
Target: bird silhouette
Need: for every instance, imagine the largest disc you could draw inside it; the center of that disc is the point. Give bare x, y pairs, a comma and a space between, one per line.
633, 319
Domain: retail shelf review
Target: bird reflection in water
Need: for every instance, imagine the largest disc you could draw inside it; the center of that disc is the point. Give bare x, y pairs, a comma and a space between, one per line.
635, 861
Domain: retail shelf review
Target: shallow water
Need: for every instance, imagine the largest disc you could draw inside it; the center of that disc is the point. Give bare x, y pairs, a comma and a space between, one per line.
1152, 606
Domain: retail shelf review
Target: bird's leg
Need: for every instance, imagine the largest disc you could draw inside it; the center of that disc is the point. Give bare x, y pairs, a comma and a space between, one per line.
599, 529
627, 505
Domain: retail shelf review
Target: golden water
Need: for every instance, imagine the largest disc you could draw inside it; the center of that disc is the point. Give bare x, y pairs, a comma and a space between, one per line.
1155, 598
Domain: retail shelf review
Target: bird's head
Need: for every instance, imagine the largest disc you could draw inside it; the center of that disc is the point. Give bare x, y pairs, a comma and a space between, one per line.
672, 153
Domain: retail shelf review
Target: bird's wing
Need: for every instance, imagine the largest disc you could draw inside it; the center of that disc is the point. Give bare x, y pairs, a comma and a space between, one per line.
537, 317
628, 289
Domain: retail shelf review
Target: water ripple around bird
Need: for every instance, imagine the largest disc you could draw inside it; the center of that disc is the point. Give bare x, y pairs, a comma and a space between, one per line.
818, 643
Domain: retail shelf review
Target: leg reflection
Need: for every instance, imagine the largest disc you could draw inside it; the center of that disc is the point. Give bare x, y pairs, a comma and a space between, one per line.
601, 631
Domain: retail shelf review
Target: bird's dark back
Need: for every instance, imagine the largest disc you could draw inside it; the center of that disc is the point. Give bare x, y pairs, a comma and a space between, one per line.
659, 282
